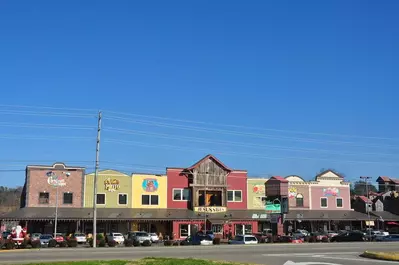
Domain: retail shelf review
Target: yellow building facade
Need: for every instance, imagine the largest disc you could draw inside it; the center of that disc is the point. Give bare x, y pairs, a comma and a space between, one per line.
114, 190
149, 191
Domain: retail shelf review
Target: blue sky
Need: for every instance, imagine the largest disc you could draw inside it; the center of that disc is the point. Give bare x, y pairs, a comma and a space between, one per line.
272, 68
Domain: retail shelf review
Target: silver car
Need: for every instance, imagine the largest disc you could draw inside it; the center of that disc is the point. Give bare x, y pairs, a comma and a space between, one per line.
44, 239
139, 236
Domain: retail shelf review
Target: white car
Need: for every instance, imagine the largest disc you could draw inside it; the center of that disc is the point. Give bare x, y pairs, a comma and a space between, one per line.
80, 238
244, 239
117, 237
154, 237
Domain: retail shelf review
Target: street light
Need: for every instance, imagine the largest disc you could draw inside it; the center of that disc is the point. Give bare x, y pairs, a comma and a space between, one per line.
55, 181
368, 203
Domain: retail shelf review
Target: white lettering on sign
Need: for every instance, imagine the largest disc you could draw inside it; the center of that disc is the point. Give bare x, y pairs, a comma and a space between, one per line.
210, 209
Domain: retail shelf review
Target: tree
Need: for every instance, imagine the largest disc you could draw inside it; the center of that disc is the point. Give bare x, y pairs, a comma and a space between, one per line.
359, 188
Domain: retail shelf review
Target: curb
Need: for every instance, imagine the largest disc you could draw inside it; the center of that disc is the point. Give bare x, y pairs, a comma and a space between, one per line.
388, 256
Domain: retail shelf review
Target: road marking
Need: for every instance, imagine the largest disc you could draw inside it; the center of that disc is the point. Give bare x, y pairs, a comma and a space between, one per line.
289, 262
360, 259
309, 254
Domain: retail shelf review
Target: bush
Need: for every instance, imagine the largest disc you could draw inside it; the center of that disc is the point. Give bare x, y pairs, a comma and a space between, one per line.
72, 243
176, 243
35, 244
63, 244
216, 241
136, 243
111, 243
128, 243
52, 243
100, 236
147, 243
24, 244
168, 243
10, 244
101, 243
2, 243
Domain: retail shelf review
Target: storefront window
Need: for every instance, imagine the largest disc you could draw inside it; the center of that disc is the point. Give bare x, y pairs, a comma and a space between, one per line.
238, 229
217, 229
183, 230
248, 229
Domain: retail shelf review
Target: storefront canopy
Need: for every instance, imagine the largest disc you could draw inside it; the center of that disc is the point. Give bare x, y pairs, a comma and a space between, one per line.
320, 215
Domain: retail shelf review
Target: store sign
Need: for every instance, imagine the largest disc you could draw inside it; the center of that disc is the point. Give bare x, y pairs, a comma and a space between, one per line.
292, 192
111, 185
210, 209
259, 216
54, 180
273, 206
330, 192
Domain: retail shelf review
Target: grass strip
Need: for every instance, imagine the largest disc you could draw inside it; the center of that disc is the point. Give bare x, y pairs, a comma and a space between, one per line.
390, 256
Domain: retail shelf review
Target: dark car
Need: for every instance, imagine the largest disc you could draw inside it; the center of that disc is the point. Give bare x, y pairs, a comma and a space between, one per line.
349, 236
198, 239
389, 238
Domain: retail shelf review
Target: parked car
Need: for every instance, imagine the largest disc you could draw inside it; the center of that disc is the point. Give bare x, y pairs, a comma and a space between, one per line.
332, 234
262, 238
117, 237
6, 234
35, 236
244, 239
319, 236
80, 238
154, 238
139, 236
388, 238
349, 236
59, 238
44, 239
300, 233
203, 240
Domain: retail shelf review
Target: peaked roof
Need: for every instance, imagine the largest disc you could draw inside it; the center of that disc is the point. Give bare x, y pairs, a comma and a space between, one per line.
217, 161
327, 171
109, 172
281, 179
387, 179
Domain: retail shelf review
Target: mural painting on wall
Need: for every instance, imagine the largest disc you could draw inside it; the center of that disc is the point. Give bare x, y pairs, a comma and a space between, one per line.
54, 180
150, 185
111, 185
258, 189
259, 202
330, 192
292, 192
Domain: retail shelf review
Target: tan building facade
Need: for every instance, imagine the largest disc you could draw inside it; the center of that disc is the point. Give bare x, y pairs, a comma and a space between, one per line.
256, 193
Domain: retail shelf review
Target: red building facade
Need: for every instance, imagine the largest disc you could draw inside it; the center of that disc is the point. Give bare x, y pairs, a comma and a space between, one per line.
215, 194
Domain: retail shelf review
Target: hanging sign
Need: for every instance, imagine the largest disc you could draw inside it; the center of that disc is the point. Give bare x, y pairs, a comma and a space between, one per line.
210, 209
111, 185
273, 206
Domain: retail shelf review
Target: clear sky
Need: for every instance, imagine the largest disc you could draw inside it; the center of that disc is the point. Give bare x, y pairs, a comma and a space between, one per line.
304, 82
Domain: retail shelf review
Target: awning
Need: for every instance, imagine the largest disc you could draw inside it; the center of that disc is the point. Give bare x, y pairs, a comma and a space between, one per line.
328, 215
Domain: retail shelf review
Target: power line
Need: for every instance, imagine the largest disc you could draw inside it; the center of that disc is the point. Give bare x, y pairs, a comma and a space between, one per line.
47, 137
48, 126
44, 107
249, 127
237, 133
67, 115
172, 147
229, 143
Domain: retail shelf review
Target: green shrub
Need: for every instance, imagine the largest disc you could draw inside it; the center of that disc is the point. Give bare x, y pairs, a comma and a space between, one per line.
168, 243
35, 244
2, 243
128, 243
52, 243
111, 243
136, 243
147, 243
101, 243
72, 243
63, 244
216, 241
100, 236
10, 244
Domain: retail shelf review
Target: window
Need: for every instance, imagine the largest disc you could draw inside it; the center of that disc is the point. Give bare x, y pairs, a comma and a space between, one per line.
44, 197
149, 199
183, 228
339, 203
122, 199
68, 197
217, 229
299, 200
181, 194
323, 202
234, 196
100, 198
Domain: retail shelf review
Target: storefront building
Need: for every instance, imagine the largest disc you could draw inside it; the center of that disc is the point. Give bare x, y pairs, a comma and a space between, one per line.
214, 193
149, 192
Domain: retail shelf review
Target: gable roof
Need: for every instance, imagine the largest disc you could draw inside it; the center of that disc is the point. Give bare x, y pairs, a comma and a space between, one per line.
109, 172
364, 199
281, 179
327, 171
217, 161
387, 179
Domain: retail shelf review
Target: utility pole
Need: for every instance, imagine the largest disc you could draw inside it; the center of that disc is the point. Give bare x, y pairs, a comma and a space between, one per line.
205, 201
95, 181
56, 213
368, 203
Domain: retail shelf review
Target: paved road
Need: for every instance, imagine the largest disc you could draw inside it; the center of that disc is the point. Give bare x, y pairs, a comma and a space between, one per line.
270, 254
